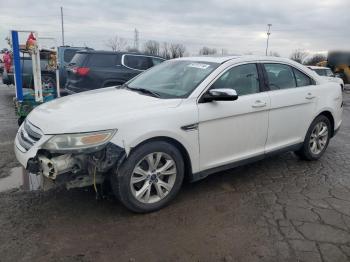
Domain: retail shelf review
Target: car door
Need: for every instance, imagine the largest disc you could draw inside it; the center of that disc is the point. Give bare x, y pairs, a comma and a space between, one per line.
134, 65
230, 131
292, 105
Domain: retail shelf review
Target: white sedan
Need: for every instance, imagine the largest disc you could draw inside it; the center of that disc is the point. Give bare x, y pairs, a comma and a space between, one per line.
327, 73
185, 118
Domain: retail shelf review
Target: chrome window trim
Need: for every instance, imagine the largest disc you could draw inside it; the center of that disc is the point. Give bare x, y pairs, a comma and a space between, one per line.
123, 63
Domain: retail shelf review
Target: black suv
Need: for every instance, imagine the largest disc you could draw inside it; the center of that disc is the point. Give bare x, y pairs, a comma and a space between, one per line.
96, 69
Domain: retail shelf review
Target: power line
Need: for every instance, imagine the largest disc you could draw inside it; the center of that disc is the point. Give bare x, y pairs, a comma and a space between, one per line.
136, 39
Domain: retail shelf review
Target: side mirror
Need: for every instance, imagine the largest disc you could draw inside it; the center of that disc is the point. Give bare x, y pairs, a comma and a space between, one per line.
223, 94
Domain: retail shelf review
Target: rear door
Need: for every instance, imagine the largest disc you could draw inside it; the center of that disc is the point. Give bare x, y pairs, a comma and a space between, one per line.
103, 69
135, 64
293, 105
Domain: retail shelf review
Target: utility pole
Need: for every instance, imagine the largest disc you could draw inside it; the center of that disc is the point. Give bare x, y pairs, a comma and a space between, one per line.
136, 39
268, 37
62, 28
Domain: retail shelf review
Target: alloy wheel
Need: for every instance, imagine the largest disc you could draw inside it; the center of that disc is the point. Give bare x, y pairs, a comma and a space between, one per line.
318, 138
153, 177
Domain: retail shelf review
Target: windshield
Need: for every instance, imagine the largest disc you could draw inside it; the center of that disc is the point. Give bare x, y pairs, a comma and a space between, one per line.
324, 72
174, 78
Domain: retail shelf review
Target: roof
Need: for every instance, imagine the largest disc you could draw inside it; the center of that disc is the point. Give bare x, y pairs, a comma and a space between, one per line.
114, 52
318, 67
242, 58
213, 59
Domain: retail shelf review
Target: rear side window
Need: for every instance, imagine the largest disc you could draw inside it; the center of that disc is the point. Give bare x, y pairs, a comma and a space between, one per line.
156, 61
137, 62
301, 78
68, 55
78, 59
102, 60
280, 76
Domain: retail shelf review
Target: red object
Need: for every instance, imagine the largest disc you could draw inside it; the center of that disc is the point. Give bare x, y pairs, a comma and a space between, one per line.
7, 61
82, 71
31, 37
31, 41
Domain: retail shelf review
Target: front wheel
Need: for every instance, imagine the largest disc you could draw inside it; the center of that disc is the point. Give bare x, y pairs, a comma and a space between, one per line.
150, 178
316, 140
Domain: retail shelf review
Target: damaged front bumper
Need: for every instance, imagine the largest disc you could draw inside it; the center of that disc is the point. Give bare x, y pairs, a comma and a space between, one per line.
74, 169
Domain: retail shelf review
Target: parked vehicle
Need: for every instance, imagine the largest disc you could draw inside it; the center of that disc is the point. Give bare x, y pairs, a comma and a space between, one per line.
65, 54
96, 69
339, 62
328, 74
185, 118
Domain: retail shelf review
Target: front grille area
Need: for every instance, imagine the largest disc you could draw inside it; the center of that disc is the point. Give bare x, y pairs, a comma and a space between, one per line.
28, 135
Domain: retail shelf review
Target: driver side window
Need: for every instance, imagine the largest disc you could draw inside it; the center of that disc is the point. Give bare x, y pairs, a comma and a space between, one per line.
243, 78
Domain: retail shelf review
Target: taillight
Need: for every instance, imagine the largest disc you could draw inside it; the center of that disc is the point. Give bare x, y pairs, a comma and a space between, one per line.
82, 71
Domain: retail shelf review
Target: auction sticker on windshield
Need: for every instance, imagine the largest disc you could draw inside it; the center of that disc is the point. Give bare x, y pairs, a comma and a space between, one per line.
199, 65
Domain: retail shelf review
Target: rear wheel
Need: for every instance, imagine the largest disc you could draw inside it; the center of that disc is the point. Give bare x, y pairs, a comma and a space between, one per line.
150, 178
316, 140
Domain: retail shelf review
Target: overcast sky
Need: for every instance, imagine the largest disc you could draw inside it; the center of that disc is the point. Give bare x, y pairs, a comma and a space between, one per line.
239, 26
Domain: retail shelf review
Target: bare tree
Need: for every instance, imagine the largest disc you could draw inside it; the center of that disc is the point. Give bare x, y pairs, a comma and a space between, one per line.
8, 40
117, 43
177, 50
298, 55
152, 47
165, 50
316, 59
207, 51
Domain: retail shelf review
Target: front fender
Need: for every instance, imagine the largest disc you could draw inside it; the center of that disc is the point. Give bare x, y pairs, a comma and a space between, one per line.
188, 139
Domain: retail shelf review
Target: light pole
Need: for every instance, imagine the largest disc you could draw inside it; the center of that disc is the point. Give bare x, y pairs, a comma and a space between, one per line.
268, 37
62, 28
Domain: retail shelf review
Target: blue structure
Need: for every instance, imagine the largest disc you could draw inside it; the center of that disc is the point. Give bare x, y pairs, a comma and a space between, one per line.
17, 65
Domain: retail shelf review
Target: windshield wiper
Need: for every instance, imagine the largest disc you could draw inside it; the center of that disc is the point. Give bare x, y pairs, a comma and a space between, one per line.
143, 90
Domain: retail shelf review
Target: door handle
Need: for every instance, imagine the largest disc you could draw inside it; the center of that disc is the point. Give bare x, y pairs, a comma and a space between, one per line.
259, 104
309, 96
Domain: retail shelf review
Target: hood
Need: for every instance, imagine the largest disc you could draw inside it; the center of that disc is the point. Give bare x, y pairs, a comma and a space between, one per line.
95, 110
333, 79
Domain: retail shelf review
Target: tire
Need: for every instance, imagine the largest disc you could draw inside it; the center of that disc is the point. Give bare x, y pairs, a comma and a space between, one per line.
155, 187
316, 141
5, 78
20, 120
